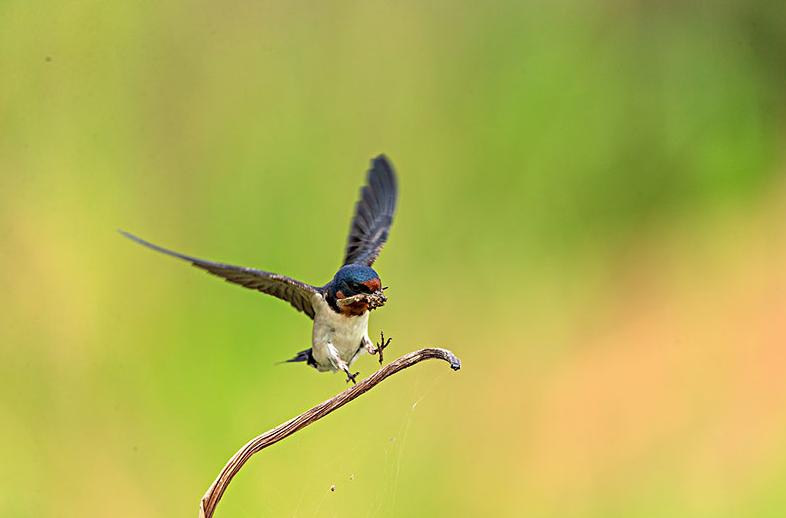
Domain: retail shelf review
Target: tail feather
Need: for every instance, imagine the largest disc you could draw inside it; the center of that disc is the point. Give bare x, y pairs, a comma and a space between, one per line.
303, 356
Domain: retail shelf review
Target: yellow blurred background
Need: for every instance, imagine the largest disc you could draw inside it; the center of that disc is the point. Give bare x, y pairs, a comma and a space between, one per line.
591, 217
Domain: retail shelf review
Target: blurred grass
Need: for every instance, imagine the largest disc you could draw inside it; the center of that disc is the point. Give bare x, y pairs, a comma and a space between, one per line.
591, 218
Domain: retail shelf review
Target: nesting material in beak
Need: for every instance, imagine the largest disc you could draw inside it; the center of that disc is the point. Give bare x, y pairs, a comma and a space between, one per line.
374, 300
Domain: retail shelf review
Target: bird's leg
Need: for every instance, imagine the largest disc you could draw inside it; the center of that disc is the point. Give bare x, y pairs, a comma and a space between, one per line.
369, 346
350, 377
382, 344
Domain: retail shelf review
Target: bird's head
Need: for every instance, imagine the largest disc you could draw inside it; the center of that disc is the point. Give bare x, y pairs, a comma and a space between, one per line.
358, 283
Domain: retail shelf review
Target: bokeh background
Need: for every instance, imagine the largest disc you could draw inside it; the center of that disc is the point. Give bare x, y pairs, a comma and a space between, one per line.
592, 217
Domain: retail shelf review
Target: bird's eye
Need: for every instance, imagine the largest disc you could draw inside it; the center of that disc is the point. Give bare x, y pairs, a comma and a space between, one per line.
361, 288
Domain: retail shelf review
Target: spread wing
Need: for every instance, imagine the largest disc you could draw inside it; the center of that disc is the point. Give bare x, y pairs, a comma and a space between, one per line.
297, 293
373, 214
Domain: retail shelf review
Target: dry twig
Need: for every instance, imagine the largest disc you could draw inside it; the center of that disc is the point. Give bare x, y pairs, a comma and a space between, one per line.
208, 504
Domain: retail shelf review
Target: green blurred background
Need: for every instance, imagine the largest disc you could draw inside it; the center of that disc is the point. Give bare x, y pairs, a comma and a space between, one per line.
591, 216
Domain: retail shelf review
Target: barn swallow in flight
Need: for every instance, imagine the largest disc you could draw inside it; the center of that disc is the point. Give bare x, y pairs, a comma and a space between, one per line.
341, 307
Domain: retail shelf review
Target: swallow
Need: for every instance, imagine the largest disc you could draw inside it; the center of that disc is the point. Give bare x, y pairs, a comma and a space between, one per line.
340, 309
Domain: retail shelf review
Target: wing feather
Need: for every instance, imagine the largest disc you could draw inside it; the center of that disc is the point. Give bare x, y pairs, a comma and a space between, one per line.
297, 293
373, 214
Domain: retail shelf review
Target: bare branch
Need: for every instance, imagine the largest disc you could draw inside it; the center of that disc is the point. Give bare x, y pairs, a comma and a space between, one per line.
209, 502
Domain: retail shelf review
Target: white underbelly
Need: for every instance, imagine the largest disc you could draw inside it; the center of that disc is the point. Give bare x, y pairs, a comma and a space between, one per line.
336, 334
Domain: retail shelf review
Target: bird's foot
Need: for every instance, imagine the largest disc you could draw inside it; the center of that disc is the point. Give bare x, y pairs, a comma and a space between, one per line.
382, 344
350, 377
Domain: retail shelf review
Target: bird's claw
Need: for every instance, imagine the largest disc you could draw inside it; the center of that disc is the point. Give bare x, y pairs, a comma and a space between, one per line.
382, 344
351, 377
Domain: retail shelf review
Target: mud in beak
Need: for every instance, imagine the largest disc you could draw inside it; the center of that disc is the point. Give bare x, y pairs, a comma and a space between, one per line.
373, 300
376, 300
